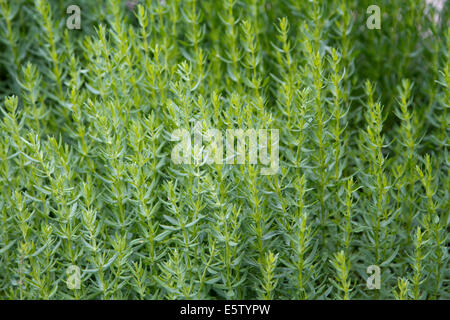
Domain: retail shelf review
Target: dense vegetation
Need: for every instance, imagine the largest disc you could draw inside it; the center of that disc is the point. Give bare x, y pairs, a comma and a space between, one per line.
86, 177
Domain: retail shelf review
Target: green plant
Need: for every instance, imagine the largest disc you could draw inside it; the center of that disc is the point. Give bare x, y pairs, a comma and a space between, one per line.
87, 179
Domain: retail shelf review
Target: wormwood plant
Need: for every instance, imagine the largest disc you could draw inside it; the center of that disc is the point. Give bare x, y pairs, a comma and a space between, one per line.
93, 207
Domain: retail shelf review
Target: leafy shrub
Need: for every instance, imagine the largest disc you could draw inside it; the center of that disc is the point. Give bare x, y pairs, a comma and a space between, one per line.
86, 175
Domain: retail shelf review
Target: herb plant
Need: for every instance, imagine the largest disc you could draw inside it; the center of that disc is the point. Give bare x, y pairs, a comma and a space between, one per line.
89, 193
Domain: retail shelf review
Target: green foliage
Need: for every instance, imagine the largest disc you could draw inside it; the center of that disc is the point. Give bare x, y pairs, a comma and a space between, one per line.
86, 177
